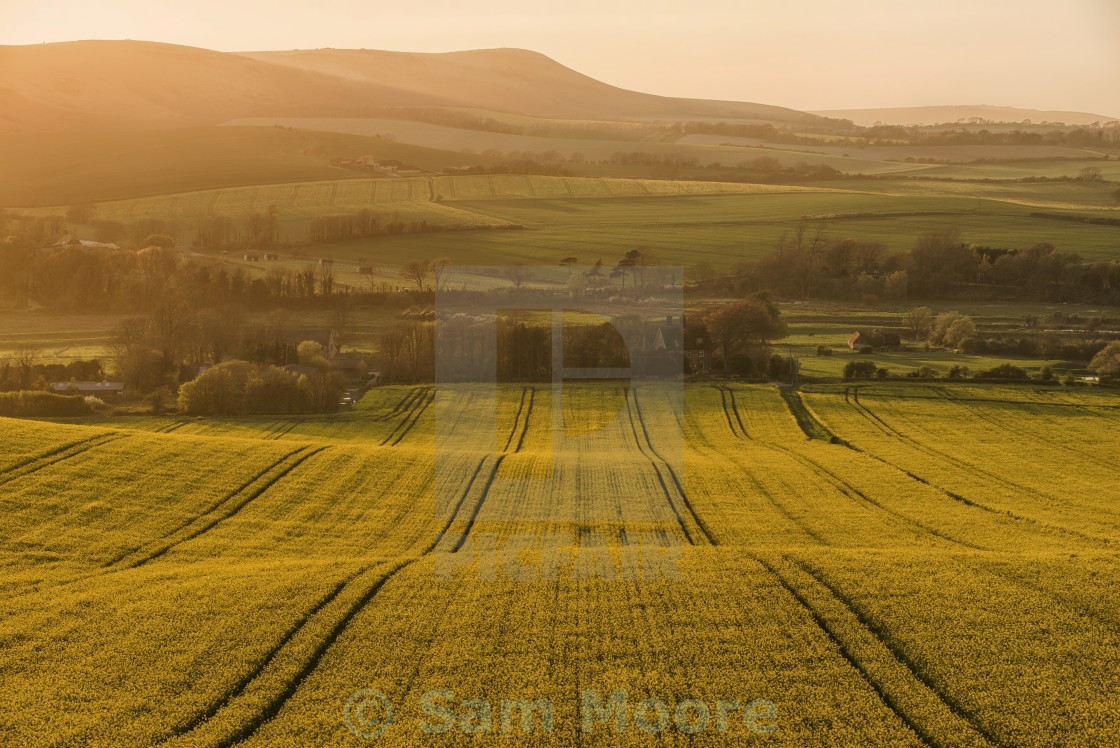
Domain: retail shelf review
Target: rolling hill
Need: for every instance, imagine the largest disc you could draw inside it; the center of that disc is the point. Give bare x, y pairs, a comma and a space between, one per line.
115, 84
513, 80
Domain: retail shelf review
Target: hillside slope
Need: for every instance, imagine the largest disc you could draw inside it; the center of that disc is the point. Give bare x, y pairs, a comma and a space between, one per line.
150, 84
513, 80
115, 84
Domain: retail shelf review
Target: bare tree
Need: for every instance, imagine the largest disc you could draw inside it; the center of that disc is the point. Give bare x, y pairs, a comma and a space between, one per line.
341, 319
416, 271
392, 343
131, 345
25, 356
279, 330
306, 280
326, 278
439, 267
517, 275
418, 346
568, 262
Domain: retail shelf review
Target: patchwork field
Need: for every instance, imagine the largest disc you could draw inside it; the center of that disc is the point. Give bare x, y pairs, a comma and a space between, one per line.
503, 219
874, 565
679, 222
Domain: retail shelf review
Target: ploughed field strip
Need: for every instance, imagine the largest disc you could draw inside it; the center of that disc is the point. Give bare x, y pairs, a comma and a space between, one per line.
888, 564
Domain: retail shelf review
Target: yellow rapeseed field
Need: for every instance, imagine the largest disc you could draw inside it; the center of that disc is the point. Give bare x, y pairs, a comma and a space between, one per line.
592, 564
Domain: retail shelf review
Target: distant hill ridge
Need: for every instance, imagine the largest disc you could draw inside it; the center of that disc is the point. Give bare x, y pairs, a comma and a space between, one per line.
937, 115
112, 84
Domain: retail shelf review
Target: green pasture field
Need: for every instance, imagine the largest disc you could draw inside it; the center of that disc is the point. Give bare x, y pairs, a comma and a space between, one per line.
813, 324
937, 565
1085, 197
721, 229
676, 222
1019, 169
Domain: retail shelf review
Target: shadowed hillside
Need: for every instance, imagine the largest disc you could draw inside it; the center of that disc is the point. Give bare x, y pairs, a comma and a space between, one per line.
52, 168
151, 84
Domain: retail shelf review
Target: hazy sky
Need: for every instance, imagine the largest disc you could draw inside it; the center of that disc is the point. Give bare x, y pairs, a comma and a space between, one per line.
807, 54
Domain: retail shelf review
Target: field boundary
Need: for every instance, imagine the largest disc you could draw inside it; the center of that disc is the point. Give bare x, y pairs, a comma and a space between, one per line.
809, 423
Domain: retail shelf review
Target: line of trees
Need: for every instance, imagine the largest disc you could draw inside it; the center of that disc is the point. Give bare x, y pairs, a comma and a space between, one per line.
115, 279
148, 350
1104, 135
22, 371
735, 338
1002, 372
1076, 137
809, 263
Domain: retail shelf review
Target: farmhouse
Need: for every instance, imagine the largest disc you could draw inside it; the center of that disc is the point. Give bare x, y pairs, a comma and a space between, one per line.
395, 168
71, 241
271, 257
251, 258
116, 389
692, 342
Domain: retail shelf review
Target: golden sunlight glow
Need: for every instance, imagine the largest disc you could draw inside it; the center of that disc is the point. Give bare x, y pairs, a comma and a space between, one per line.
815, 54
